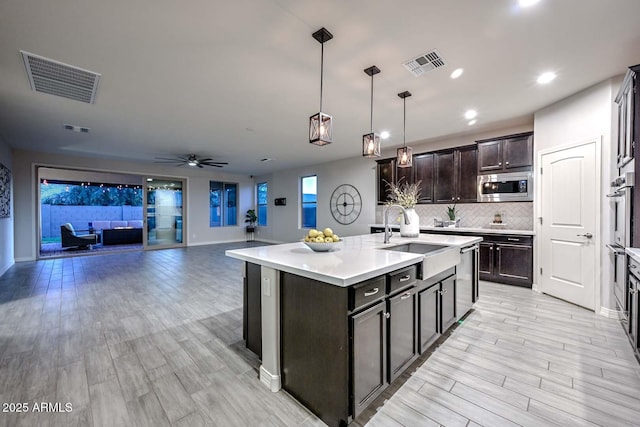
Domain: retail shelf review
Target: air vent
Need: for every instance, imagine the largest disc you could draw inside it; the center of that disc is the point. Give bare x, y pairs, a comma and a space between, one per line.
56, 78
423, 63
76, 128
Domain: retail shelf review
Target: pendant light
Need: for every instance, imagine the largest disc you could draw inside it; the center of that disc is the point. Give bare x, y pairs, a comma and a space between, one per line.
321, 124
371, 140
405, 159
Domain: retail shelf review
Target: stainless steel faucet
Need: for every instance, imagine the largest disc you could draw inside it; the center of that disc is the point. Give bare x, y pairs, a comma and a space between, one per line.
387, 228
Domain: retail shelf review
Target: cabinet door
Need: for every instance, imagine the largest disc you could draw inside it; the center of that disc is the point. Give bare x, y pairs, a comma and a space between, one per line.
444, 187
428, 316
402, 332
404, 175
369, 340
466, 174
489, 156
633, 310
423, 171
448, 303
252, 319
514, 264
485, 261
386, 174
518, 152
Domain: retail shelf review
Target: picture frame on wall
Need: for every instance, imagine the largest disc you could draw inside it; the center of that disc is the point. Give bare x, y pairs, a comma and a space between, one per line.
5, 191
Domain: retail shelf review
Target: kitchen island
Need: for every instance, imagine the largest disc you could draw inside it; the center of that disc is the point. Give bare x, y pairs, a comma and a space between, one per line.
334, 328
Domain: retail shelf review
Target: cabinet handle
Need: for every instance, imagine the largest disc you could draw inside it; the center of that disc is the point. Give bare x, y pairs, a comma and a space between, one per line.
458, 197
491, 248
499, 163
405, 296
513, 239
387, 315
633, 266
405, 278
506, 163
497, 249
444, 291
453, 198
371, 292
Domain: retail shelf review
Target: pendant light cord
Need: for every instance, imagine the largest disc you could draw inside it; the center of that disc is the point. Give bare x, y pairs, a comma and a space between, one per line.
404, 126
321, 71
371, 118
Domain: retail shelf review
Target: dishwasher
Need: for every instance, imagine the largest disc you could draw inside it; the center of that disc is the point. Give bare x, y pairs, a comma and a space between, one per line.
467, 291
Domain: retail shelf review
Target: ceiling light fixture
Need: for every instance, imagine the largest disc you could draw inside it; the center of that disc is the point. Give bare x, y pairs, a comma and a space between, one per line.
405, 159
527, 3
547, 77
371, 140
457, 73
321, 124
384, 134
470, 114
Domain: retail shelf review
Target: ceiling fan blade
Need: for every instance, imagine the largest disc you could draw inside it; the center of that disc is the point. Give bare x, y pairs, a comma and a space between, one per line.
214, 163
205, 160
199, 165
172, 159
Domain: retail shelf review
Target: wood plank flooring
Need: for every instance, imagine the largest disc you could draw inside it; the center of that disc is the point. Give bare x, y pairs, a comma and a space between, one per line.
155, 339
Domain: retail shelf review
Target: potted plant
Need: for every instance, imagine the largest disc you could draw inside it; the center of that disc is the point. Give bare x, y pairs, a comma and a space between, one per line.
406, 195
251, 219
451, 214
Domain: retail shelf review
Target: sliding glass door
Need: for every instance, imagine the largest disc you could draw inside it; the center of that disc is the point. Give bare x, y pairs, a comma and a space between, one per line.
164, 207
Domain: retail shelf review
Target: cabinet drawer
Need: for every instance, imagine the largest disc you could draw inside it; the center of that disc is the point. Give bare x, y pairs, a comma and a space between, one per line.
402, 278
366, 293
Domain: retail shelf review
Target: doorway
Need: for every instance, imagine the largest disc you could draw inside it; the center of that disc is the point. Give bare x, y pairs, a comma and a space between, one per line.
568, 244
164, 212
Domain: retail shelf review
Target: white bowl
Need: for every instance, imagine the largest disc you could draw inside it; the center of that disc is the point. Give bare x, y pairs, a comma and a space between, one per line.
321, 247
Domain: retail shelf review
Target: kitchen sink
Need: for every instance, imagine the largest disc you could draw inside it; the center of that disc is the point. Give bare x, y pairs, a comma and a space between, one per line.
437, 258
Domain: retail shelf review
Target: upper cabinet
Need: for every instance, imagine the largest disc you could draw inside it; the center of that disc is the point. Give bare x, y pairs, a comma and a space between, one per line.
386, 174
455, 175
423, 172
511, 153
628, 126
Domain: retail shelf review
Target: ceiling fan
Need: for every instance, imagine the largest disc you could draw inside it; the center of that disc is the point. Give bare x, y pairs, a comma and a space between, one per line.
190, 160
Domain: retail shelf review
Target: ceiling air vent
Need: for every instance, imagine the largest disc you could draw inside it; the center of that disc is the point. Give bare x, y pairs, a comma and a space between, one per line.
56, 78
76, 128
423, 63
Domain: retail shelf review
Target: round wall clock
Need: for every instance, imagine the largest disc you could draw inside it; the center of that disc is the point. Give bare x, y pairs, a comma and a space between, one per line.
346, 204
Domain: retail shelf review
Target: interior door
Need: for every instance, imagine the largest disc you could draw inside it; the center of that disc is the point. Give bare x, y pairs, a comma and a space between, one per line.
568, 239
164, 204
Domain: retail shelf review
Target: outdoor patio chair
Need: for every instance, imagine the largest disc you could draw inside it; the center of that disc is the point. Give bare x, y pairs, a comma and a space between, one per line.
71, 239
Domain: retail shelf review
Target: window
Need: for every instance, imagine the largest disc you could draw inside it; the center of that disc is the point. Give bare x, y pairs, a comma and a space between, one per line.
309, 201
223, 202
262, 203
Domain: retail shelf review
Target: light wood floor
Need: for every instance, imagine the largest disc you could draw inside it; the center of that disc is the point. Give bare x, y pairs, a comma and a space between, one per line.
155, 339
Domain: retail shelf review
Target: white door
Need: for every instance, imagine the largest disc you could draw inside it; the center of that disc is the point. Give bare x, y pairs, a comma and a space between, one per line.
569, 205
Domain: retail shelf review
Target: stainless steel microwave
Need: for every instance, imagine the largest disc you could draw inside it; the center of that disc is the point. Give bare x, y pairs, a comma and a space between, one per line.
505, 187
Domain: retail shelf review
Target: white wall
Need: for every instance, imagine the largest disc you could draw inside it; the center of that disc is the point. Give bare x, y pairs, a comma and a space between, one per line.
581, 117
196, 211
6, 224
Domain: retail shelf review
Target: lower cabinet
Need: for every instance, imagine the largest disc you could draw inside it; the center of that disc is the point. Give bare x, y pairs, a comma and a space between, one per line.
633, 287
403, 316
252, 309
437, 308
507, 259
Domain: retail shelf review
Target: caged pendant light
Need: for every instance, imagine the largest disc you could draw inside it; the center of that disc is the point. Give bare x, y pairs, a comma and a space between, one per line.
371, 140
321, 124
405, 159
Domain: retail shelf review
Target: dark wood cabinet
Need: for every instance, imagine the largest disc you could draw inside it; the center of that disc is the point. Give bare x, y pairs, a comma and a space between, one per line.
402, 309
507, 259
444, 189
385, 174
369, 341
456, 176
437, 307
628, 100
466, 174
423, 172
404, 175
513, 153
252, 316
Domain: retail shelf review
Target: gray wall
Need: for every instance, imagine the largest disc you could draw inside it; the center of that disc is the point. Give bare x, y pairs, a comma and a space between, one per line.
6, 224
196, 196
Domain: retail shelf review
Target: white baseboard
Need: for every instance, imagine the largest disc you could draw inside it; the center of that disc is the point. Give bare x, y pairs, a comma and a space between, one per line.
24, 259
270, 380
610, 313
6, 267
216, 242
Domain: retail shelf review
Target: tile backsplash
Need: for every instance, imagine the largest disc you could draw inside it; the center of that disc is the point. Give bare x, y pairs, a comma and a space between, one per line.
515, 216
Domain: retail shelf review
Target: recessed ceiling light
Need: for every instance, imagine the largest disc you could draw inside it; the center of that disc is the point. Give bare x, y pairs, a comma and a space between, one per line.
470, 114
457, 73
527, 3
472, 122
149, 179
547, 77
384, 134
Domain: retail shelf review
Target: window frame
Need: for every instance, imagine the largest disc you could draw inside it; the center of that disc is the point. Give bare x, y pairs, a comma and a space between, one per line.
303, 203
265, 204
224, 204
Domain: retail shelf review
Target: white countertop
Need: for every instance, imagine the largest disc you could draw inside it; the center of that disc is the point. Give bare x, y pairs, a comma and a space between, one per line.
356, 258
497, 230
633, 253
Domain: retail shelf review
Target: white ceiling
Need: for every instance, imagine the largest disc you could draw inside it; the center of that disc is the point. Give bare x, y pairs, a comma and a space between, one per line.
238, 80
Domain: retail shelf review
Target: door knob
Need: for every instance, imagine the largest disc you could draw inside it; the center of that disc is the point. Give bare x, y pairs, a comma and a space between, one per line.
587, 235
